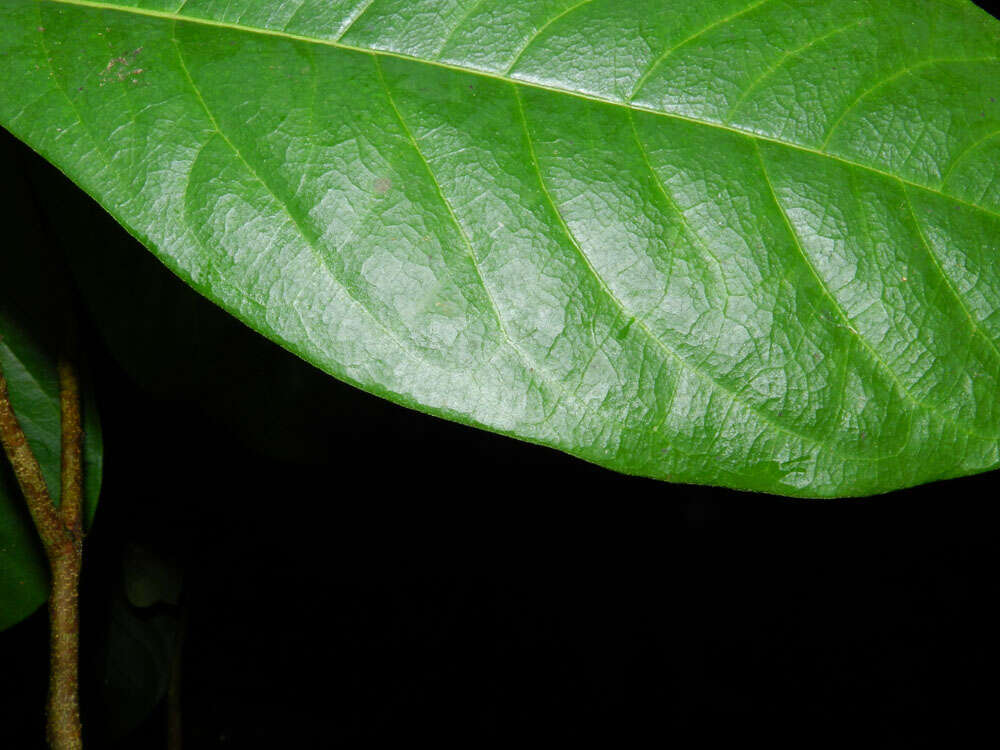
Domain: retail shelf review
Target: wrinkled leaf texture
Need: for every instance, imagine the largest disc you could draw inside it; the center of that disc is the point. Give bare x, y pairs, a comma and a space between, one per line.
748, 244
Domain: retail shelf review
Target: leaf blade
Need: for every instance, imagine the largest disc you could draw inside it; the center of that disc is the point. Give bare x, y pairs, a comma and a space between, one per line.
467, 242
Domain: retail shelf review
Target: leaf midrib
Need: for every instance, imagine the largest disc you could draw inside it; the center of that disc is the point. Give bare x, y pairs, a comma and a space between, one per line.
628, 105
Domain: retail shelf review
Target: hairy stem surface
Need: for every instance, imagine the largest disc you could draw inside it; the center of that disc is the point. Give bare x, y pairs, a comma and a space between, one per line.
61, 533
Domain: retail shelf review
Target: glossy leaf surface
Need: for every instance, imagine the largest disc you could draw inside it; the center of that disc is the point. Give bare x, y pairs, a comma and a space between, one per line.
30, 332
728, 242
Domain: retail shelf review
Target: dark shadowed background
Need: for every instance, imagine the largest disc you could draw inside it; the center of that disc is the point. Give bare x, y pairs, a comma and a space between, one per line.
352, 570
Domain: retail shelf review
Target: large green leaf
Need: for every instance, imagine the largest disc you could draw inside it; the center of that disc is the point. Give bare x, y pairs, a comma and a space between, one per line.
727, 242
31, 320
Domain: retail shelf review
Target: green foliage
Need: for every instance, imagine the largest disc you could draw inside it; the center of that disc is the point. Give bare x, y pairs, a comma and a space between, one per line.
729, 242
133, 663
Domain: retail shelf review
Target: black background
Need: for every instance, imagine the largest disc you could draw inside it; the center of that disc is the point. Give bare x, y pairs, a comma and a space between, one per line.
429, 581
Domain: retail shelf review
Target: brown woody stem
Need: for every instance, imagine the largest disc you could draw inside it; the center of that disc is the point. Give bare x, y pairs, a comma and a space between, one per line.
61, 532
71, 495
63, 728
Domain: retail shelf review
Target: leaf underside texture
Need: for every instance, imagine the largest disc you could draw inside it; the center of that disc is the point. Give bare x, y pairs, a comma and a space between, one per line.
749, 244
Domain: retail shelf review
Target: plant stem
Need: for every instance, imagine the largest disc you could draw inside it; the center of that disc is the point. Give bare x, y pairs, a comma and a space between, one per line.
63, 728
71, 473
28, 474
61, 532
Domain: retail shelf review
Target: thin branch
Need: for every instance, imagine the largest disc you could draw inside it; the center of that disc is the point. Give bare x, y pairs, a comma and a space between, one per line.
64, 729
59, 531
71, 494
29, 474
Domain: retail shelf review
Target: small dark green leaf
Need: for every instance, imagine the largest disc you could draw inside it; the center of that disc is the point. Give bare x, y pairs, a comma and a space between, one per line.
150, 578
133, 662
